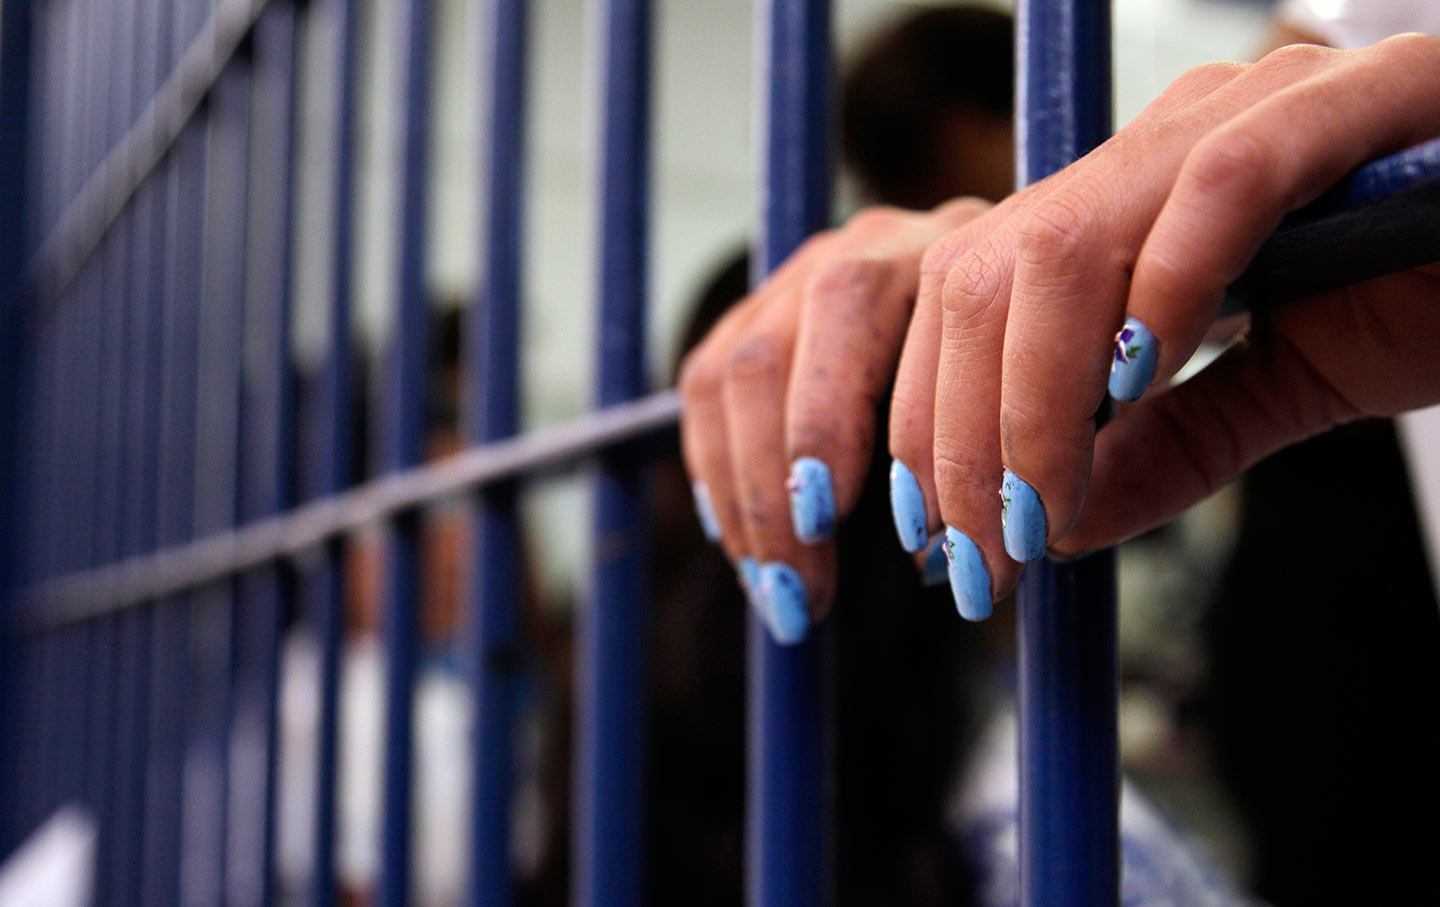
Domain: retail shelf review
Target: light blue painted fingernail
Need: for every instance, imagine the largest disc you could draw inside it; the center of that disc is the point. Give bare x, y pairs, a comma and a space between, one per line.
1022, 517
705, 509
749, 573
784, 592
969, 580
1137, 353
937, 565
907, 505
812, 500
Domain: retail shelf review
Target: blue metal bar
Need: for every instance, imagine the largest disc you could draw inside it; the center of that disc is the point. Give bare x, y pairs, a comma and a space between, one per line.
15, 118
219, 422
788, 846
403, 424
265, 466
331, 442
492, 402
185, 179
608, 856
1069, 666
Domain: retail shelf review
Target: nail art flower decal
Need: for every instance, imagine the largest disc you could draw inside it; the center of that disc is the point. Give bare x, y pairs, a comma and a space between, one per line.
1126, 349
1004, 505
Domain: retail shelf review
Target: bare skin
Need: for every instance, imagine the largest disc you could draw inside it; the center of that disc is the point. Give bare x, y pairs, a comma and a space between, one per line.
1006, 348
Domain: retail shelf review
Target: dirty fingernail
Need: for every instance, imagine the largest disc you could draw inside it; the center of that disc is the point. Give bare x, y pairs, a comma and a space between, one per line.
784, 593
1022, 517
907, 505
812, 500
1137, 353
969, 580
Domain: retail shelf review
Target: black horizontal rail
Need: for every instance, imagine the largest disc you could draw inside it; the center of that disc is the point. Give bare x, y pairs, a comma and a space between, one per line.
105, 590
86, 219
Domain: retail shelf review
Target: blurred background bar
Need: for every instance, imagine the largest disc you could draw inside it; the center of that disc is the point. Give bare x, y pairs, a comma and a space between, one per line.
610, 715
1067, 632
789, 839
402, 424
328, 430
491, 400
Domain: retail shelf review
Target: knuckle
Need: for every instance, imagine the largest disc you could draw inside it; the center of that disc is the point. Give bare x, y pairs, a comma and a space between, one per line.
941, 254
850, 278
1205, 77
963, 209
758, 359
1295, 57
1412, 49
1057, 229
874, 219
1229, 161
974, 283
699, 376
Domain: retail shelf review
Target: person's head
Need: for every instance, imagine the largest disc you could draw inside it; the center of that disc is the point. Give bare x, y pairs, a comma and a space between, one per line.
927, 108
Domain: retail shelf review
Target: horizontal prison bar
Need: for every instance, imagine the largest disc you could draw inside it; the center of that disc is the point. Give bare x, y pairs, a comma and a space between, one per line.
1405, 185
103, 590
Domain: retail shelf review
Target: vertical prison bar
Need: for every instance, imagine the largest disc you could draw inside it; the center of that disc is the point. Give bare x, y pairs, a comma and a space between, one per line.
332, 435
1067, 636
403, 424
15, 118
788, 833
492, 404
610, 721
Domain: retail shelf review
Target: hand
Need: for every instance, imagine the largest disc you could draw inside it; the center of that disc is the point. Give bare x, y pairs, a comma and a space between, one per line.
784, 391
1015, 331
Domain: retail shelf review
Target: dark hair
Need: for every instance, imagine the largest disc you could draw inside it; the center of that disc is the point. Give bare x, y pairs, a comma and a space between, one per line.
893, 95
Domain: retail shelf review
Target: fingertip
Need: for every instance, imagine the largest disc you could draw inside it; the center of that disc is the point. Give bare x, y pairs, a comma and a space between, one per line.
787, 614
907, 506
1137, 354
969, 579
1022, 519
812, 500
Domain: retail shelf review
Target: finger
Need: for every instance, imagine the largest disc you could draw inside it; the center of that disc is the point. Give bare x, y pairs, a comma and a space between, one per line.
1357, 352
974, 300
914, 502
856, 310
1075, 250
704, 434
795, 580
1278, 154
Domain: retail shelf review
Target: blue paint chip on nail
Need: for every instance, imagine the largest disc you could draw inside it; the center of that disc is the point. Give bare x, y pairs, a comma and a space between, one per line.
1022, 517
812, 500
1137, 353
705, 509
937, 565
788, 612
969, 580
907, 505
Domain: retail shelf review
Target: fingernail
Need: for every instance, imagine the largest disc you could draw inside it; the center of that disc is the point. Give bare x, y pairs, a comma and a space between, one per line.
907, 505
812, 500
969, 580
1137, 352
705, 508
784, 592
1022, 517
749, 573
937, 565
